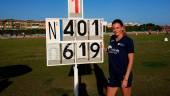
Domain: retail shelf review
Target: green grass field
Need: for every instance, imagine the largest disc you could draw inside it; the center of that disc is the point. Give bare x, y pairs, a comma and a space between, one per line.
23, 70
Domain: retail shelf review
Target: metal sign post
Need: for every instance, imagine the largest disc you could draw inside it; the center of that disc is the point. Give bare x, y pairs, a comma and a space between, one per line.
76, 92
75, 10
76, 80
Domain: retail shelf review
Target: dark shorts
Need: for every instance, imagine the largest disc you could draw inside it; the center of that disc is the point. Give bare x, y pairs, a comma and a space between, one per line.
116, 81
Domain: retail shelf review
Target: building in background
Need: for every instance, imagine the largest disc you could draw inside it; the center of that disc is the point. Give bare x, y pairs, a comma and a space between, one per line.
12, 24
132, 24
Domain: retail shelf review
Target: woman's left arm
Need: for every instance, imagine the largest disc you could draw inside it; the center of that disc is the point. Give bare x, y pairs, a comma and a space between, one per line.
130, 64
129, 69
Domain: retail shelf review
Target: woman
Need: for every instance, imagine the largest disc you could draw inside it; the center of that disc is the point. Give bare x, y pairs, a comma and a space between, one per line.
121, 55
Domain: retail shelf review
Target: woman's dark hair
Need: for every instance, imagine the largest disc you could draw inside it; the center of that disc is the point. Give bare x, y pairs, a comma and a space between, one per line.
117, 21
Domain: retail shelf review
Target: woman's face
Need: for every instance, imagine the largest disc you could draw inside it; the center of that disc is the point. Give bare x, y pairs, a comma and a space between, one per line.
117, 29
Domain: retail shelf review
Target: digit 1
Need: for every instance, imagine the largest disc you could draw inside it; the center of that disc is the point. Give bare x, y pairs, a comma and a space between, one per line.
96, 26
95, 50
83, 48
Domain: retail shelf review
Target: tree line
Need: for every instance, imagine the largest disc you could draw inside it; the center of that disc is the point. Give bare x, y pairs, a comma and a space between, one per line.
143, 28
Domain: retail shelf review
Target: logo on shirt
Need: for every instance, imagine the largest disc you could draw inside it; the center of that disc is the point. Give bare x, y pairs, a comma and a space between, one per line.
112, 50
121, 44
112, 40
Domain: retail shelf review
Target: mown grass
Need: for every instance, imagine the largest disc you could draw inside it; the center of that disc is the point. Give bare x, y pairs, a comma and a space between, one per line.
151, 69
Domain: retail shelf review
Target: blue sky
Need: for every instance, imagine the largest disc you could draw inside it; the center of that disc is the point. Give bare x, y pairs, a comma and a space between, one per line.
141, 11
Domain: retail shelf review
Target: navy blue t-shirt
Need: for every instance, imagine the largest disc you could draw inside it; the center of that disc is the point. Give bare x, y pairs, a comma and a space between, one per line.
118, 56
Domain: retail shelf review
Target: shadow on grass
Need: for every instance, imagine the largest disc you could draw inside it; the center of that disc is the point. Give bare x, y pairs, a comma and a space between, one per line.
86, 69
100, 80
82, 90
4, 83
8, 72
83, 69
64, 95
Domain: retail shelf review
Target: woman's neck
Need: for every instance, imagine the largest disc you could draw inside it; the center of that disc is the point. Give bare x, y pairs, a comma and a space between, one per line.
120, 36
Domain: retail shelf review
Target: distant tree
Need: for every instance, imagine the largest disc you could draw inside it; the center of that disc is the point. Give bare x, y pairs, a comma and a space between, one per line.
108, 29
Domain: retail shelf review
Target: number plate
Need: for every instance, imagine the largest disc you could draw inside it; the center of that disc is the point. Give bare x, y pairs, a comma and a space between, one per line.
74, 41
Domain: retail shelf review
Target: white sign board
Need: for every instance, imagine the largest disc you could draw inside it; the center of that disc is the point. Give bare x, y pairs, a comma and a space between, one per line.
74, 41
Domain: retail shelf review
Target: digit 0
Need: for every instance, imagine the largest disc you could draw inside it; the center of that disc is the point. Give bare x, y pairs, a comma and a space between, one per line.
82, 22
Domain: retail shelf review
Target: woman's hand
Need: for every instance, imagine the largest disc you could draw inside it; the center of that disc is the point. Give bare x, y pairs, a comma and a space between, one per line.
124, 83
